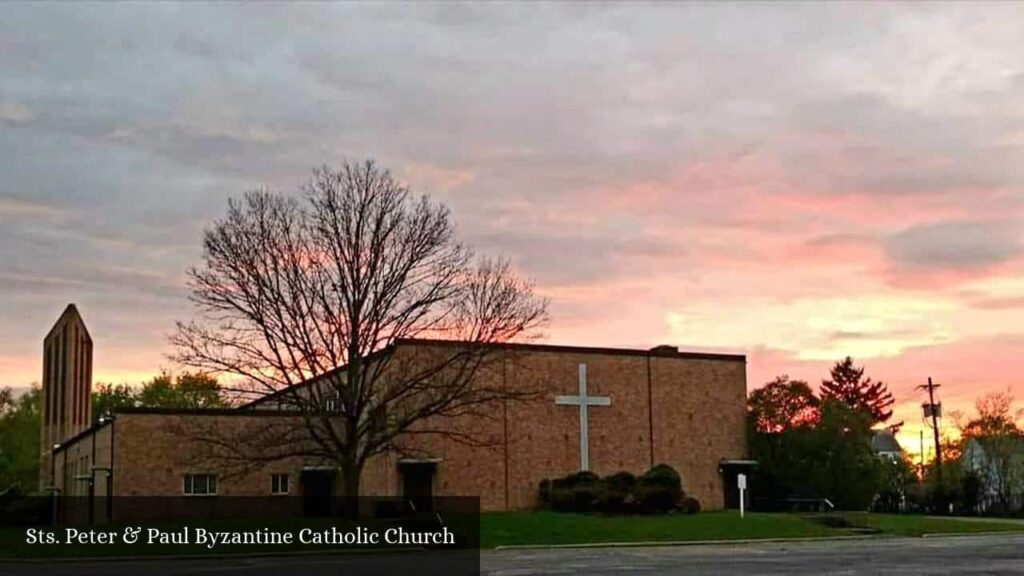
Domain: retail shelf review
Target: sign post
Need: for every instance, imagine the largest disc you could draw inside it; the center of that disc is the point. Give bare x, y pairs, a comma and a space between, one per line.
741, 483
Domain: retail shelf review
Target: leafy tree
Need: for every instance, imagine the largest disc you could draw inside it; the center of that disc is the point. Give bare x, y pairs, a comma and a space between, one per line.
19, 439
969, 492
20, 418
845, 468
937, 498
782, 404
188, 390
898, 479
996, 416
830, 457
849, 386
994, 430
109, 398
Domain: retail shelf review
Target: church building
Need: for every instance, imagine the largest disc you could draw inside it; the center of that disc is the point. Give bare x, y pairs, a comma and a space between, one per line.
599, 409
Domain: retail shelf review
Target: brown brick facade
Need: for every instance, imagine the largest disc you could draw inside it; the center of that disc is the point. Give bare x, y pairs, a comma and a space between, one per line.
66, 400
685, 410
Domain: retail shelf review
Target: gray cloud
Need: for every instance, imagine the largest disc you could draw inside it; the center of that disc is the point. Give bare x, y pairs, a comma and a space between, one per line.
124, 128
581, 259
955, 245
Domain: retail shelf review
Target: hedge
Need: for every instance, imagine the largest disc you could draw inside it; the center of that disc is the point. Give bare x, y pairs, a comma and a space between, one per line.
657, 491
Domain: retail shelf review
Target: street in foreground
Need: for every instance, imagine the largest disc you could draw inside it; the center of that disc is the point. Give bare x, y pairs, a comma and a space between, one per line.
1002, 554
990, 554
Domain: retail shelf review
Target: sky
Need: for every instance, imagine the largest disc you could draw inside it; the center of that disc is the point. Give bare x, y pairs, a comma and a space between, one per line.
797, 182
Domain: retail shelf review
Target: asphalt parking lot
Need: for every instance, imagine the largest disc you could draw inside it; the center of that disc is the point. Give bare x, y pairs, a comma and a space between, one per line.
942, 555
996, 554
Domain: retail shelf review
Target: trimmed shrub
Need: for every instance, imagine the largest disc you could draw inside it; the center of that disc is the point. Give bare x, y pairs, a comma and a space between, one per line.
617, 493
577, 492
663, 475
689, 505
544, 490
575, 479
660, 489
580, 498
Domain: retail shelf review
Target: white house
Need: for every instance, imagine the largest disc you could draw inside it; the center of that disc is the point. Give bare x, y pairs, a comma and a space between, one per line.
885, 445
986, 457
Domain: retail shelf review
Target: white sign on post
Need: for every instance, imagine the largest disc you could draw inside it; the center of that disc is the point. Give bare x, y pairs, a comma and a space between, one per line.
741, 483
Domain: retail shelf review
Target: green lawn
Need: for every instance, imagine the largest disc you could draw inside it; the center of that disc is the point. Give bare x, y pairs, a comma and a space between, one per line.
513, 528
544, 528
909, 525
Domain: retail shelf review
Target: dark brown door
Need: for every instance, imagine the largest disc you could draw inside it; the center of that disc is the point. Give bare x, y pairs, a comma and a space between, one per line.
317, 490
418, 485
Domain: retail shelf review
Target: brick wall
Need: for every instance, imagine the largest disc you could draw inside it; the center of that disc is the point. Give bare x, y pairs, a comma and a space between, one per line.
154, 451
683, 410
687, 411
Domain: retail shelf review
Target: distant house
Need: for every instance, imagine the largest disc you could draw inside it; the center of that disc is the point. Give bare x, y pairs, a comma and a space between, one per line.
998, 463
885, 445
892, 498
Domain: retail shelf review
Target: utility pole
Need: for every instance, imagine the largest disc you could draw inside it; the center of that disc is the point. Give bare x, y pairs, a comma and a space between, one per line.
933, 410
922, 454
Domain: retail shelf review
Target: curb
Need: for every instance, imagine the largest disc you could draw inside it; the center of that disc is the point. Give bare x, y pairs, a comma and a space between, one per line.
675, 543
212, 556
679, 543
1011, 532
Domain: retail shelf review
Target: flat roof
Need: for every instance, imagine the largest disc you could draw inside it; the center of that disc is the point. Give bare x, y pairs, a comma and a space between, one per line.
230, 411
657, 351
95, 427
249, 408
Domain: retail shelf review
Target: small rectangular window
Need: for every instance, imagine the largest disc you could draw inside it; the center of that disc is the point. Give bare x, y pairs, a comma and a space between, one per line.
332, 403
199, 484
279, 484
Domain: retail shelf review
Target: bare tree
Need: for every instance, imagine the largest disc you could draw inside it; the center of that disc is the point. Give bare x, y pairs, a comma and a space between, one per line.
305, 299
993, 445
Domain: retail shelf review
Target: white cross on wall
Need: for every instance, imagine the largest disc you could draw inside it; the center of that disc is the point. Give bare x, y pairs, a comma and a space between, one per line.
583, 401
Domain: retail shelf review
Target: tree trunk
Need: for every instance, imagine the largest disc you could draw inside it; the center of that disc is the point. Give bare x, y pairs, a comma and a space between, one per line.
351, 474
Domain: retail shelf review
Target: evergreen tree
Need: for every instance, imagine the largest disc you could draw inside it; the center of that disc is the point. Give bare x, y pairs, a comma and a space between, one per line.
849, 386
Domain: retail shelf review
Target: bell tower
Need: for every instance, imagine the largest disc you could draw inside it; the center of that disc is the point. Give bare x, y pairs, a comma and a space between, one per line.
67, 385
